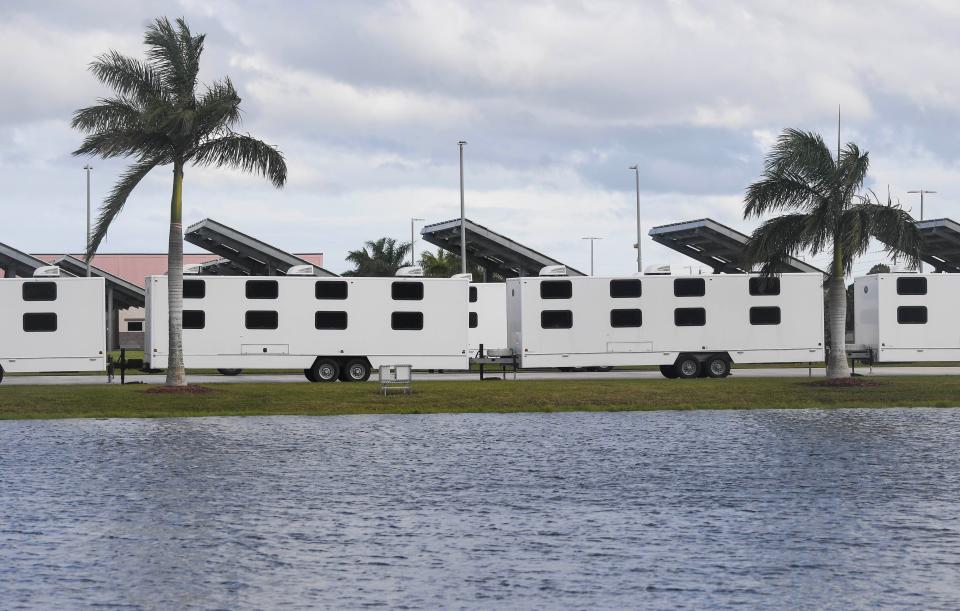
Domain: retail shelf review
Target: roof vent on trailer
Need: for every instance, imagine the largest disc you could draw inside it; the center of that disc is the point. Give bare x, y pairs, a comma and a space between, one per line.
414, 271
300, 270
554, 270
658, 270
467, 276
47, 271
191, 269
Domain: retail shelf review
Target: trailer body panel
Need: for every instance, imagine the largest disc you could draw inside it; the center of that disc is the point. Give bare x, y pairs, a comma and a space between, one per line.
489, 312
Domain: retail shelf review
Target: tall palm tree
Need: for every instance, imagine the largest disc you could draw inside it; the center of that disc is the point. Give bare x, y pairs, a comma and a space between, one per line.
158, 118
830, 212
381, 257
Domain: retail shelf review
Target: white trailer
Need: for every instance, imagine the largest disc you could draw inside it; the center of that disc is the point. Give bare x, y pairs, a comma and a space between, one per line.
52, 324
688, 325
488, 316
903, 317
332, 328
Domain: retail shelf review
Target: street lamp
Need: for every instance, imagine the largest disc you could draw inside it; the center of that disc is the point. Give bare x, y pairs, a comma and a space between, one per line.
463, 219
636, 169
86, 244
921, 192
592, 240
413, 260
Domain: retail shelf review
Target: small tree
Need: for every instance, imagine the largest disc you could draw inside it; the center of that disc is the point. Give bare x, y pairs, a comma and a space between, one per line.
381, 257
830, 213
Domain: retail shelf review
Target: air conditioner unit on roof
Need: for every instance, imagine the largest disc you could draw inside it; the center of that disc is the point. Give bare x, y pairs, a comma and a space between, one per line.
658, 270
413, 271
554, 270
47, 271
300, 270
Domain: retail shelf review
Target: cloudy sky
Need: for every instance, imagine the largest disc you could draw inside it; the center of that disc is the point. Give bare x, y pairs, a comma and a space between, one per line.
556, 99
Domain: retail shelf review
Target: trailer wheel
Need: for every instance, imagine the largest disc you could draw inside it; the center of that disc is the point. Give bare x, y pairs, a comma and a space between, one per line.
668, 371
308, 373
717, 367
356, 370
325, 370
1, 375
688, 366
230, 372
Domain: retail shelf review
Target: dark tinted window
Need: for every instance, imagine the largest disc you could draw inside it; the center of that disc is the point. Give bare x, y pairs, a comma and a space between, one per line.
39, 291
556, 289
689, 317
689, 287
194, 319
911, 286
330, 320
764, 286
45, 322
626, 318
406, 321
556, 319
194, 289
473, 320
625, 288
262, 289
261, 319
135, 325
765, 316
473, 294
912, 315
407, 291
333, 289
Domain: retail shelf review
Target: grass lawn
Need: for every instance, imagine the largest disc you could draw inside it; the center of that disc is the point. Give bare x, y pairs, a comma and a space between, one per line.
133, 401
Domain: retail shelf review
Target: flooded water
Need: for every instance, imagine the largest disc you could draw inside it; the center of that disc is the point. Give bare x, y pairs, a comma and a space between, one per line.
806, 508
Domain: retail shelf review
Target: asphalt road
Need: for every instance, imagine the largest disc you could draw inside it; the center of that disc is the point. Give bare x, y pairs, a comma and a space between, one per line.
533, 375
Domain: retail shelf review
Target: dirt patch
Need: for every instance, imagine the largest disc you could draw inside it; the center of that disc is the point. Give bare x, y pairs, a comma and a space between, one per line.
846, 383
178, 390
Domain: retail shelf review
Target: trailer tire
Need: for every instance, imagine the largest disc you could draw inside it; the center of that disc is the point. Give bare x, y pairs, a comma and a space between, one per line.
1, 375
356, 370
230, 372
325, 370
669, 371
308, 373
687, 367
717, 367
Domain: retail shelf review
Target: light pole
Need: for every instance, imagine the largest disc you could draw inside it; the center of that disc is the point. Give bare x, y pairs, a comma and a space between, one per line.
86, 244
592, 240
921, 192
463, 219
636, 169
413, 260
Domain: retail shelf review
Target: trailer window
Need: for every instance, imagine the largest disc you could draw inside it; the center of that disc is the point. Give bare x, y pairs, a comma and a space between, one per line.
689, 317
194, 289
330, 320
556, 289
626, 318
911, 286
764, 286
261, 319
473, 320
625, 288
406, 321
556, 319
407, 291
262, 289
40, 322
134, 325
333, 289
912, 315
473, 294
765, 316
194, 319
689, 287
39, 291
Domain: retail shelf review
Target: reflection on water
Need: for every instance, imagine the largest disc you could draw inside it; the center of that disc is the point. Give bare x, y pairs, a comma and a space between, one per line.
764, 508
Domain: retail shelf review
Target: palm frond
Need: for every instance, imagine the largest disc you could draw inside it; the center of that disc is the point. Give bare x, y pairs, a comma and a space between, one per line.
890, 224
218, 108
168, 54
778, 239
802, 154
780, 192
246, 153
109, 114
852, 170
128, 76
120, 143
116, 199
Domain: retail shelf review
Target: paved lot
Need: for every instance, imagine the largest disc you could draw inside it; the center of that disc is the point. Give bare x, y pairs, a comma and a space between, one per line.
534, 375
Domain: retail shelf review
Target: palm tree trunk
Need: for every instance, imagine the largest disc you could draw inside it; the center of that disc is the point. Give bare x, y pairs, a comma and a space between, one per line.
176, 374
837, 366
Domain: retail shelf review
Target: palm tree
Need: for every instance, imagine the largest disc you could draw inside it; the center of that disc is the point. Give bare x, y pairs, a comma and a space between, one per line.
158, 118
381, 257
445, 264
831, 213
